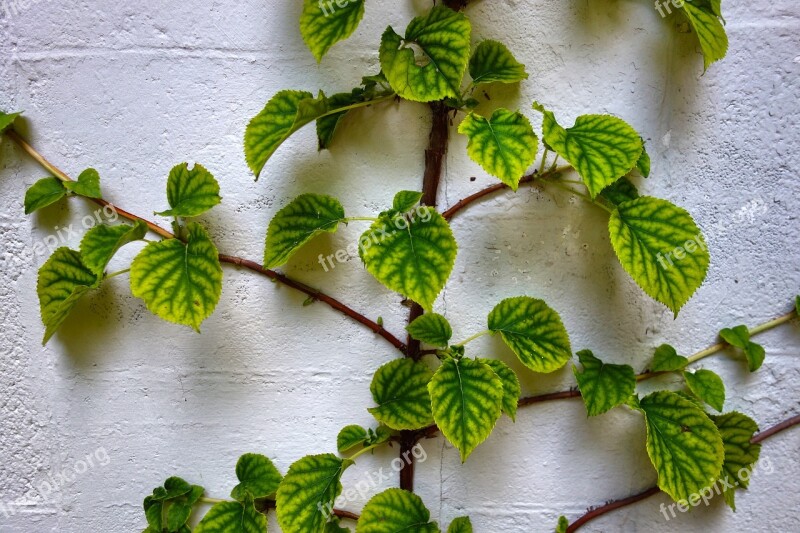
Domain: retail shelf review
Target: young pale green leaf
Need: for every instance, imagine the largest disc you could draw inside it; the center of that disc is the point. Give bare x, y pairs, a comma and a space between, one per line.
400, 388
88, 184
493, 62
707, 386
467, 398
741, 454
179, 282
461, 524
740, 338
350, 436
705, 18
602, 148
63, 280
190, 192
504, 145
443, 38
412, 255
170, 506
511, 386
661, 248
395, 511
44, 192
301, 220
620, 191
643, 164
533, 331
306, 495
683, 444
602, 385
431, 328
405, 201
258, 477
233, 517
666, 359
7, 119
285, 113
101, 242
563, 524
323, 24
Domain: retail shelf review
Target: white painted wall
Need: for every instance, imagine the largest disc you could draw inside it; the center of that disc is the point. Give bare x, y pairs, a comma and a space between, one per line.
134, 88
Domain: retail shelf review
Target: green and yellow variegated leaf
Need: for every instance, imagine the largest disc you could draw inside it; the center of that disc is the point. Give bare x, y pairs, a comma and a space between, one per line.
705, 18
179, 282
306, 494
327, 125
493, 62
741, 454
301, 220
44, 192
683, 443
7, 119
563, 524
233, 517
739, 337
405, 201
101, 242
412, 255
504, 145
602, 148
88, 184
511, 386
191, 191
349, 437
170, 506
620, 191
400, 388
467, 398
323, 24
643, 164
666, 359
395, 511
431, 328
461, 524
603, 386
63, 280
533, 331
661, 248
258, 477
707, 386
443, 37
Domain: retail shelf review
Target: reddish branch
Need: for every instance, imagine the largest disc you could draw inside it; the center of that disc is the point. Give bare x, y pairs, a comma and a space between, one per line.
617, 504
461, 204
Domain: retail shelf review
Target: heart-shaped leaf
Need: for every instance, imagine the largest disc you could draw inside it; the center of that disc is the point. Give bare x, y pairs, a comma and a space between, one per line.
493, 62
88, 184
258, 477
306, 495
603, 385
191, 191
101, 242
393, 511
707, 386
400, 388
323, 24
431, 328
44, 192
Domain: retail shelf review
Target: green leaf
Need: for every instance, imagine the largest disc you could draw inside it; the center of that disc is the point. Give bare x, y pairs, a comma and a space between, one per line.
412, 255
683, 444
741, 454
323, 24
326, 125
533, 331
63, 280
602, 148
707, 386
493, 62
179, 282
511, 386
190, 192
395, 511
44, 192
7, 119
258, 477
620, 191
101, 242
431, 328
88, 184
666, 359
504, 145
233, 517
443, 38
301, 220
740, 338
349, 437
461, 524
173, 502
563, 524
467, 397
284, 114
306, 495
602, 385
704, 16
400, 388
405, 201
661, 248
334, 527
643, 164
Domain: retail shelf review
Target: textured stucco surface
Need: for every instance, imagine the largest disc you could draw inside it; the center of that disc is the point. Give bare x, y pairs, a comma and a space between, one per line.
133, 89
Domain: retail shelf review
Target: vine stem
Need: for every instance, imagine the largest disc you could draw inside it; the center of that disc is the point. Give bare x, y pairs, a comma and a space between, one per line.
473, 337
617, 504
233, 260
